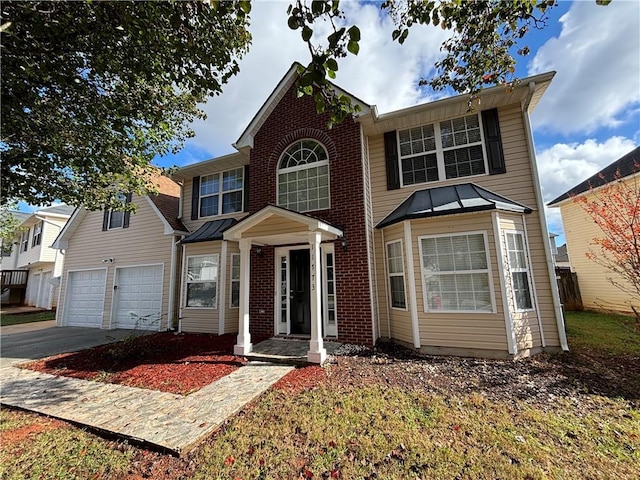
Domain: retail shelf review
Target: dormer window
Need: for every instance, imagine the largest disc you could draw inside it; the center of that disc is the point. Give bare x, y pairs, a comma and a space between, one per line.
303, 177
221, 193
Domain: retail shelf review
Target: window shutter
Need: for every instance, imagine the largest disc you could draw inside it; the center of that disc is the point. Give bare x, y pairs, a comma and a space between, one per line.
105, 219
493, 141
246, 188
195, 199
391, 160
127, 215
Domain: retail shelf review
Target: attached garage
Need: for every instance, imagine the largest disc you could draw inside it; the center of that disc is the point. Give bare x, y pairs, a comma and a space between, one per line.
84, 304
138, 297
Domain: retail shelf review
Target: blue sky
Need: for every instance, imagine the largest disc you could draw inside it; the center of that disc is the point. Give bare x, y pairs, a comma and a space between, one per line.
589, 117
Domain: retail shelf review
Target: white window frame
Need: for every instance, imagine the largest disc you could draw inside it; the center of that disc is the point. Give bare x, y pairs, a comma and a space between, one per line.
187, 282
439, 151
488, 272
24, 240
221, 192
512, 269
110, 225
37, 234
234, 257
395, 274
284, 171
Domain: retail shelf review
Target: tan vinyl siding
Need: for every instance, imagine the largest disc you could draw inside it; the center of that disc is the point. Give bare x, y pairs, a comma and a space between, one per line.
187, 193
143, 243
460, 330
399, 320
525, 323
202, 320
516, 184
595, 287
49, 234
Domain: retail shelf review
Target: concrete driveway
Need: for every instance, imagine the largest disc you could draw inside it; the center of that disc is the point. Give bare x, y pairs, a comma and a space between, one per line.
29, 341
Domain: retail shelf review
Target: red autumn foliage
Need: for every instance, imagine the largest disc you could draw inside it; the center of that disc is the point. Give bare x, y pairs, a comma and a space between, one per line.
168, 362
615, 208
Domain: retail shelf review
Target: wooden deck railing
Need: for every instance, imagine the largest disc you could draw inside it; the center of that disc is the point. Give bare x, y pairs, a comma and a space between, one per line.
14, 278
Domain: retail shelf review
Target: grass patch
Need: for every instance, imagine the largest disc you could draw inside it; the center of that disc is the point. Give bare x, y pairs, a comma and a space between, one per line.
378, 432
604, 332
64, 452
6, 320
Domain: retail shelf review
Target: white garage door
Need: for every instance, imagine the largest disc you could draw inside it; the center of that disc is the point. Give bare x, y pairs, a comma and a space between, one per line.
84, 304
138, 297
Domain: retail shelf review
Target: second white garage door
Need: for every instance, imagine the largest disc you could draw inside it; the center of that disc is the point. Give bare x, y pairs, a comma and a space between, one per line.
84, 305
138, 297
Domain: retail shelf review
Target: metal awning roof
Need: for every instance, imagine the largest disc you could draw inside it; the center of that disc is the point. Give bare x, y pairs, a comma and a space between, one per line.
210, 231
452, 199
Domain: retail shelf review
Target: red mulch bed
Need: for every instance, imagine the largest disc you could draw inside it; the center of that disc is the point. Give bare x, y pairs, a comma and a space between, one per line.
301, 379
168, 362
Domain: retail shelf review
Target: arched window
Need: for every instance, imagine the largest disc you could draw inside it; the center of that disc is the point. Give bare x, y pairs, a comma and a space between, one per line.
303, 177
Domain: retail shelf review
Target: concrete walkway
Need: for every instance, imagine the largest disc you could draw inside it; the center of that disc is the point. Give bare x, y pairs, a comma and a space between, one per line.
166, 420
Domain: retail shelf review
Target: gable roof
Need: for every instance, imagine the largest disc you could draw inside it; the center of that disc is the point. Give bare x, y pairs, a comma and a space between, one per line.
62, 209
165, 204
210, 231
246, 138
625, 165
451, 199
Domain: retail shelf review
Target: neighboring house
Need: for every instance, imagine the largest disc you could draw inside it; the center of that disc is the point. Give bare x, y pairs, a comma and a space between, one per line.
580, 230
120, 269
424, 226
561, 258
32, 251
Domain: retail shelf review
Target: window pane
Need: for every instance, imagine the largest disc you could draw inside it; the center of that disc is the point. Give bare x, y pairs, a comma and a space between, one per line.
209, 206
232, 180
202, 268
463, 162
521, 290
235, 294
232, 202
397, 292
116, 219
209, 184
201, 294
235, 267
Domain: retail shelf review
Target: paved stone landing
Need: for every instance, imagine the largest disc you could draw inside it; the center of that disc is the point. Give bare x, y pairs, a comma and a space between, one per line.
170, 421
286, 350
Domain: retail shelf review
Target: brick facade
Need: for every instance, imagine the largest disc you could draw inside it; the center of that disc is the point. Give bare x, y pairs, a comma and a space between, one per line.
293, 119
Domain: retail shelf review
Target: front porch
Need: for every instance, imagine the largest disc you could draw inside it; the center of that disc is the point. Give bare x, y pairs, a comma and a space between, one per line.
301, 301
286, 350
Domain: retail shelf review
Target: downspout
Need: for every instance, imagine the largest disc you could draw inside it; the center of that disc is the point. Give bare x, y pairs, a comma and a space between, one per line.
172, 283
543, 221
181, 289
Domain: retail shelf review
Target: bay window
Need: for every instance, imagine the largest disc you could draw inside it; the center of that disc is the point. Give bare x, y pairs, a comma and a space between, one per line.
201, 281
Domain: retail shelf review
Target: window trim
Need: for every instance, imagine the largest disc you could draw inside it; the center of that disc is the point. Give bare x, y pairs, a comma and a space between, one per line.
439, 151
24, 240
488, 271
37, 235
389, 274
187, 281
297, 168
512, 270
234, 280
220, 194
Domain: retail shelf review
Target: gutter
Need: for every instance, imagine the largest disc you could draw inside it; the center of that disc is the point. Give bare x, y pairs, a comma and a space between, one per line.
543, 222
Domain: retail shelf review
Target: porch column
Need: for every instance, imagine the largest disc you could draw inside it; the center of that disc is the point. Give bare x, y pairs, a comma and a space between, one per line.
317, 352
243, 345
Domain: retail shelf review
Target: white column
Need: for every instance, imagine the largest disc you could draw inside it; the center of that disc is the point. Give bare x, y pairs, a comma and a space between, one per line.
243, 345
317, 352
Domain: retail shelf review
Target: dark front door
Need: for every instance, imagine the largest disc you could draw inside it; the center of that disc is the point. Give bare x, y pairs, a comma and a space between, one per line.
299, 295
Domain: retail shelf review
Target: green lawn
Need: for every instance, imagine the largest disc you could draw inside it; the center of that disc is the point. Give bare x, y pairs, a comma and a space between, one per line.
606, 333
26, 318
367, 430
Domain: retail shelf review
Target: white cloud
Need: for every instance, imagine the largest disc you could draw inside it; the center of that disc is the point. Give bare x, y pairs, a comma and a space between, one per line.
596, 57
564, 165
384, 73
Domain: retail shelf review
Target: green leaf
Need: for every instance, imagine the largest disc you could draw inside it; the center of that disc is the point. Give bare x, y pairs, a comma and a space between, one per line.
354, 33
353, 47
293, 23
307, 33
332, 64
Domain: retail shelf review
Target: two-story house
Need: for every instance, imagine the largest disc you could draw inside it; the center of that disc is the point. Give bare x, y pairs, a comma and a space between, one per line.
424, 226
32, 252
121, 268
